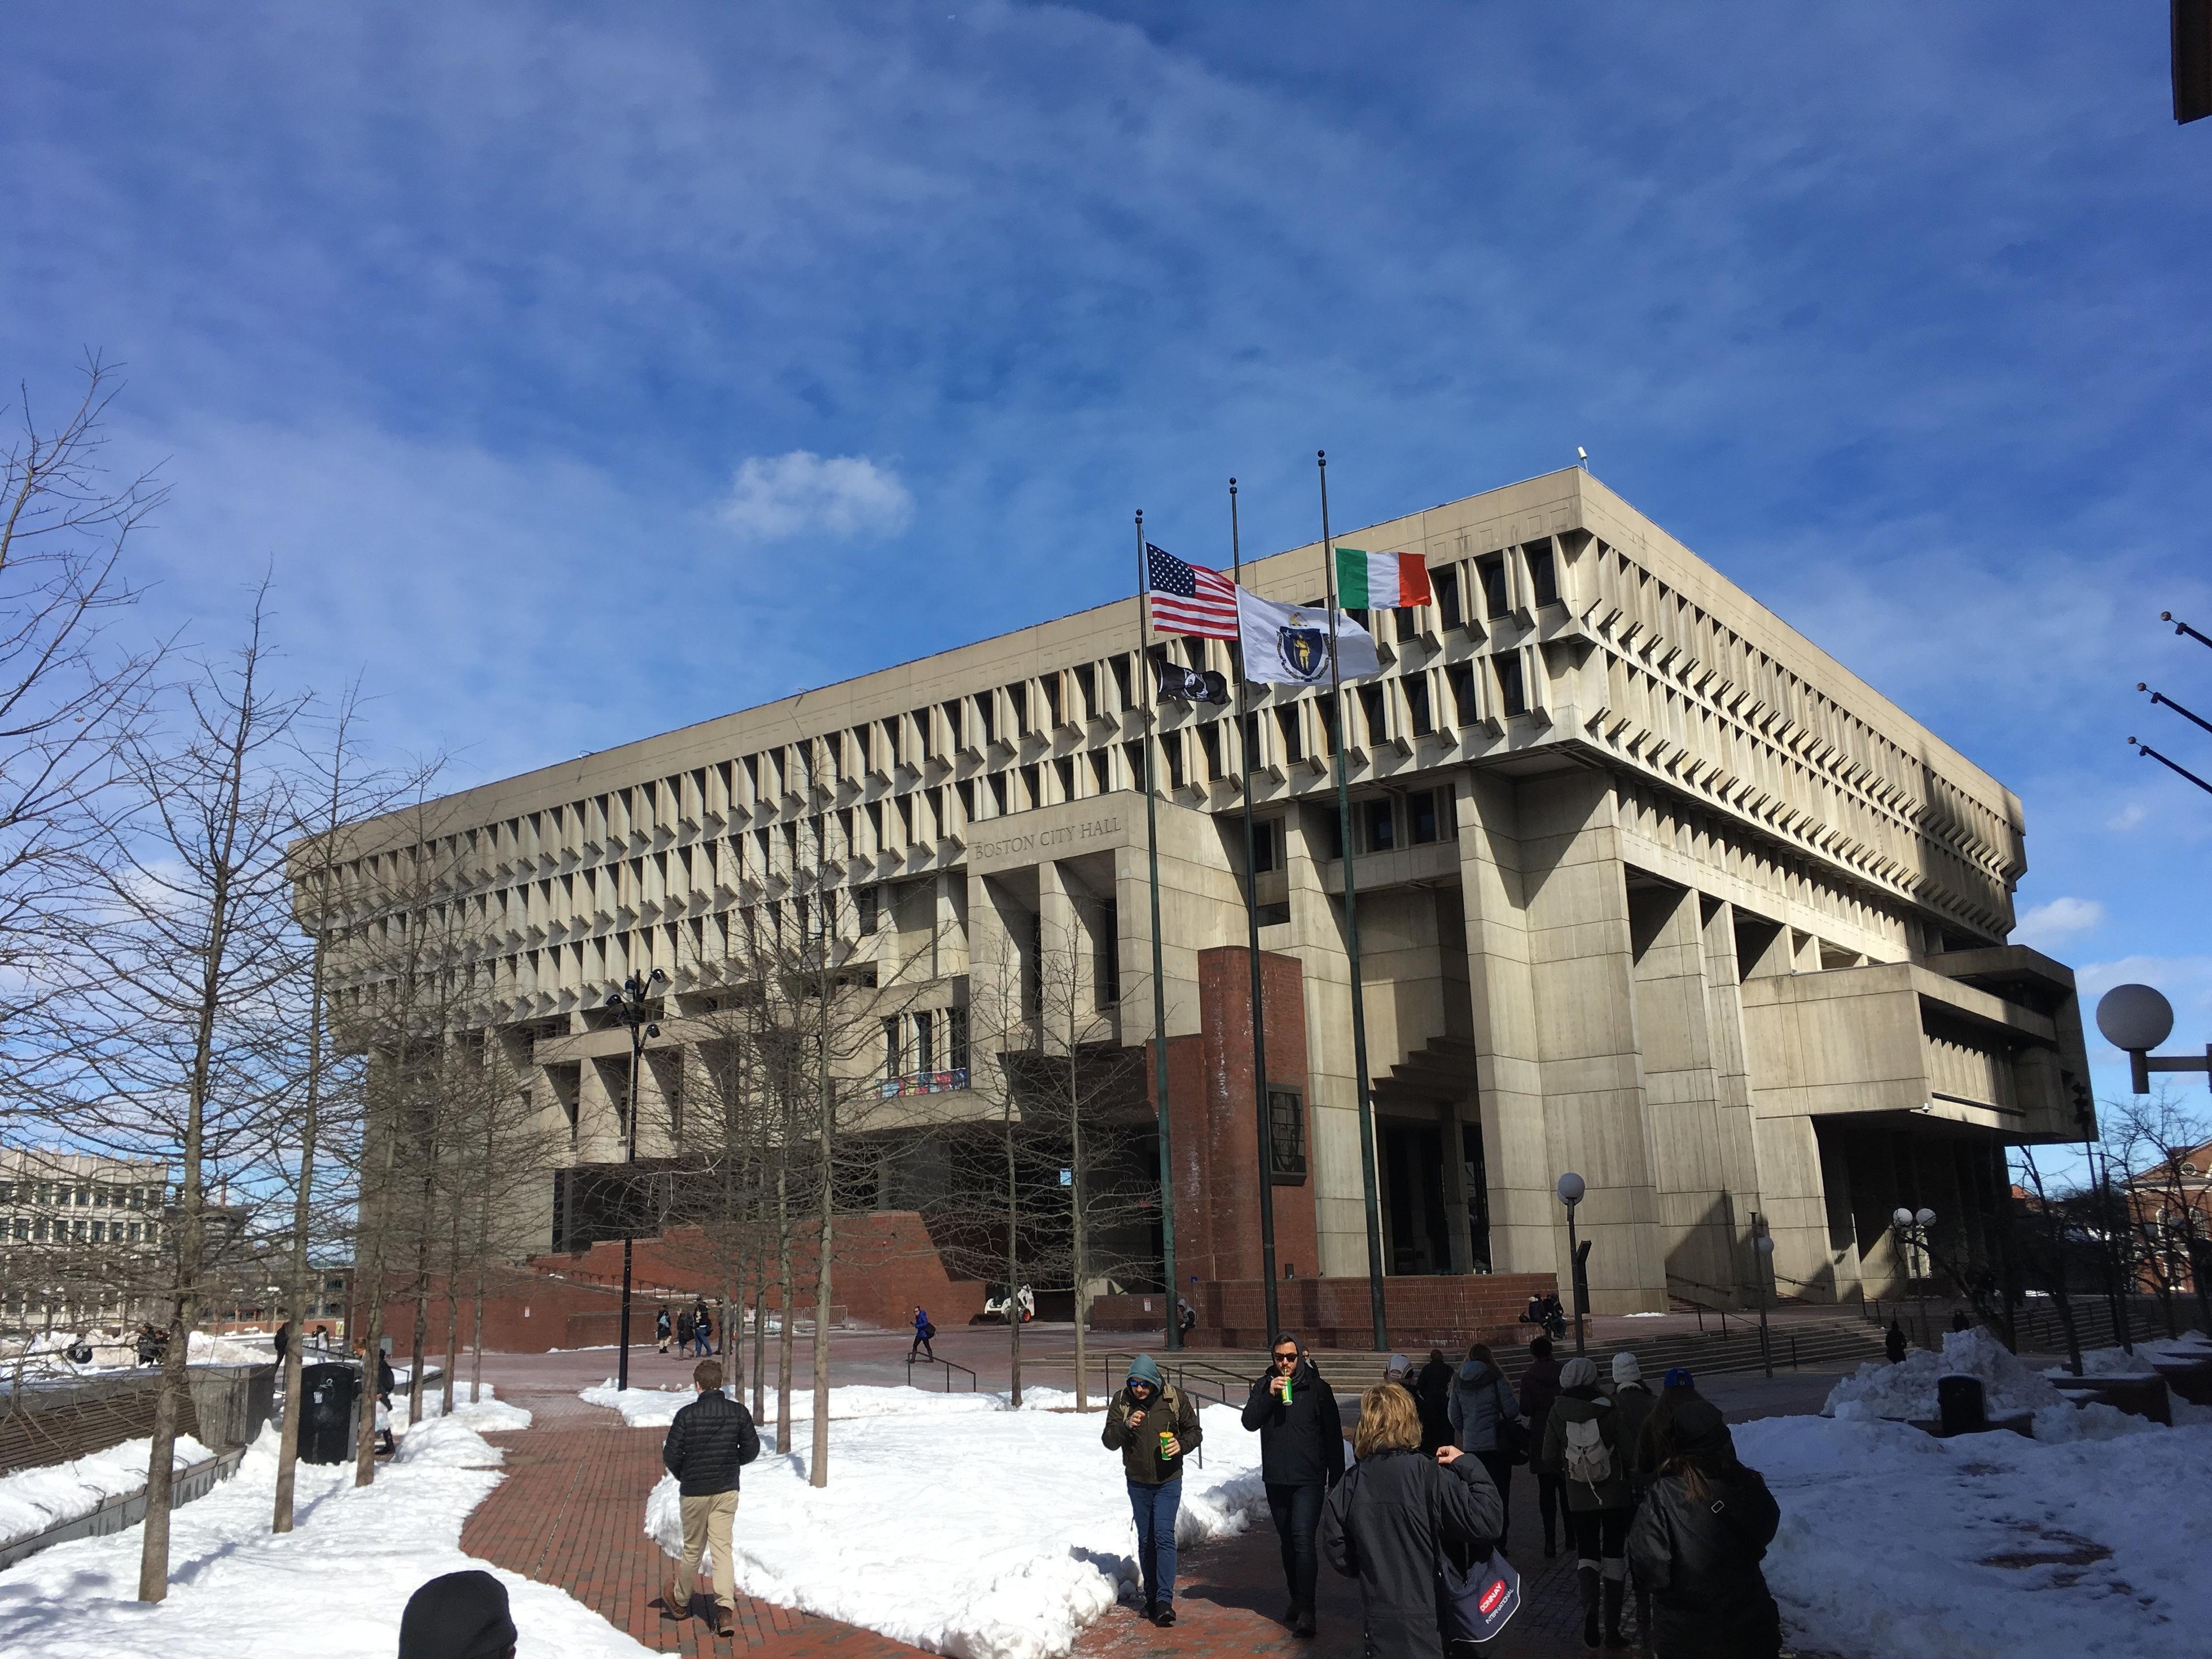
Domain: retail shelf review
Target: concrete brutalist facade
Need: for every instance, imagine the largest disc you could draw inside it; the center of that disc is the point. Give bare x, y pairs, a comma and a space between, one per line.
1651, 888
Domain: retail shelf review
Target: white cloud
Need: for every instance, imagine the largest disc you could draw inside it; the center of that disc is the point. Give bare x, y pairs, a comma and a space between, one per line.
2047, 926
2127, 817
773, 497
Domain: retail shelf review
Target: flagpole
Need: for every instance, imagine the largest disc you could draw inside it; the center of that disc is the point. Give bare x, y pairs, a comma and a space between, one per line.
1267, 1140
1352, 937
1159, 972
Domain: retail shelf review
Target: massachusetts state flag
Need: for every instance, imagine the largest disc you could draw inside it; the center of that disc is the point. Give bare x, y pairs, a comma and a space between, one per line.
1188, 598
1381, 582
1289, 644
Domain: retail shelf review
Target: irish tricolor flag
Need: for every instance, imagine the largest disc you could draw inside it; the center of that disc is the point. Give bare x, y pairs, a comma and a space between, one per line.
1379, 581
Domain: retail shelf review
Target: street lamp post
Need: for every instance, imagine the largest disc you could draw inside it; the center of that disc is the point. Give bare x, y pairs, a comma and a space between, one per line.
1570, 1190
629, 1005
1912, 1227
1765, 1246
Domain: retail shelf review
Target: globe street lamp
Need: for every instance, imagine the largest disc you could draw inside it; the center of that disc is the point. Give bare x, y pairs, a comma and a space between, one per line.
1912, 1227
1570, 1190
628, 1005
2136, 1018
1765, 1246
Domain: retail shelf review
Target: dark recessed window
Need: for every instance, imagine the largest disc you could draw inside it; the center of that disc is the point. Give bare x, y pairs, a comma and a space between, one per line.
1543, 574
1287, 721
1416, 704
864, 902
1051, 684
986, 716
1424, 812
1209, 740
1446, 585
1086, 686
1286, 1137
1378, 830
1275, 915
1267, 845
1102, 773
1491, 568
1032, 785
1172, 745
1065, 767
1018, 694
1106, 966
1119, 663
955, 1039
1511, 697
999, 793
1373, 706
1460, 677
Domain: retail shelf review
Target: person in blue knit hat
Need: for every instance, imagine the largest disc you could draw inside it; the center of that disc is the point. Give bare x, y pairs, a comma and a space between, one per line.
1154, 1425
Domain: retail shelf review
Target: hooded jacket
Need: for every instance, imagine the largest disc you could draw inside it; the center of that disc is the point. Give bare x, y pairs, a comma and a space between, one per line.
1540, 1386
1583, 1404
1386, 1524
1481, 1402
1168, 1412
1301, 1445
1700, 1558
1631, 1411
1432, 1387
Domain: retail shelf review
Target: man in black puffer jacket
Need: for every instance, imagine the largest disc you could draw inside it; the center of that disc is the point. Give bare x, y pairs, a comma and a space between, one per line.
711, 1439
1301, 1457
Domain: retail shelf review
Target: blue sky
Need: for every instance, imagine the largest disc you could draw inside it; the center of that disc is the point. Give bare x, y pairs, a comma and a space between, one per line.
586, 371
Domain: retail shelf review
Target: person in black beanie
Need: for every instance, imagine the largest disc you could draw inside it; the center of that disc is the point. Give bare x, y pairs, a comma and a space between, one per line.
461, 1615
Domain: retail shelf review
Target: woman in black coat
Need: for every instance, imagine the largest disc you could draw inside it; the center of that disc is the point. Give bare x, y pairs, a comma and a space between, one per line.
1699, 1539
1432, 1392
1389, 1519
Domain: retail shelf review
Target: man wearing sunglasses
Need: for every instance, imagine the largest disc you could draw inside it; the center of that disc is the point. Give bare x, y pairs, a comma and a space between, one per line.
1301, 1456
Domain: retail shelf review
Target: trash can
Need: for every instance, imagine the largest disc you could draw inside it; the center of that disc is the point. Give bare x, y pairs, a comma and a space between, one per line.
1961, 1406
330, 1413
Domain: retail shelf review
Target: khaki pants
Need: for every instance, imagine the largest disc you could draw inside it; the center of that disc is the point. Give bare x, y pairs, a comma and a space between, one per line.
707, 1526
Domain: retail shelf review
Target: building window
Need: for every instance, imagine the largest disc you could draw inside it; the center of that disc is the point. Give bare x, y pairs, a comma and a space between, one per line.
894, 1048
1107, 973
1018, 694
1422, 817
135, 1231
1543, 574
924, 1041
1267, 845
1086, 687
1372, 706
1102, 774
1286, 1135
1445, 582
153, 1233
1416, 704
1032, 785
986, 716
1065, 766
999, 793
100, 1233
1209, 741
1511, 697
1287, 721
1460, 677
1491, 568
1171, 744
1377, 829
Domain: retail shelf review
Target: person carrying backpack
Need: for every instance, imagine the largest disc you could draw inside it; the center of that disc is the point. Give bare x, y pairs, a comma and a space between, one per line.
661, 1330
1634, 1406
1486, 1419
1699, 1539
924, 1334
684, 1331
1154, 1425
1582, 1445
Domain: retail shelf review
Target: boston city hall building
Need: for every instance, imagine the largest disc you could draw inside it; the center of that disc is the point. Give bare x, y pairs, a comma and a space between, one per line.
1648, 889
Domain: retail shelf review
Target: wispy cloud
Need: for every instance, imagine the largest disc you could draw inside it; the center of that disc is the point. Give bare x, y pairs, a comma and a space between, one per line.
773, 498
2047, 926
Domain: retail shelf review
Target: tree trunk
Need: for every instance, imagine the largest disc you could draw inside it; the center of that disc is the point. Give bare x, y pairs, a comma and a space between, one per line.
817, 1473
783, 1335
1013, 1261
1078, 1254
287, 1445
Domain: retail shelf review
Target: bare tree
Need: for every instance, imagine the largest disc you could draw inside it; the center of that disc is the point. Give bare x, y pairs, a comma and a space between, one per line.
2151, 1143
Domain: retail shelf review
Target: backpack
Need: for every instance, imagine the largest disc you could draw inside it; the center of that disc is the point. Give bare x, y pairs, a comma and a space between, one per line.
1588, 1459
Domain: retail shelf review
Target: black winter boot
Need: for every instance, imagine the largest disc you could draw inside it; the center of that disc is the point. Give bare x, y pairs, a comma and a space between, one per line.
1586, 1577
1615, 1593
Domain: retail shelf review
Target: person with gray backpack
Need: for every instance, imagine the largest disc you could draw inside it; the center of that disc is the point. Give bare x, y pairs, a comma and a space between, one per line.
1581, 1446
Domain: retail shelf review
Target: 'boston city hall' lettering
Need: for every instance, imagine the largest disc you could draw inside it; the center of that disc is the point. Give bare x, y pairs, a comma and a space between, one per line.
1648, 888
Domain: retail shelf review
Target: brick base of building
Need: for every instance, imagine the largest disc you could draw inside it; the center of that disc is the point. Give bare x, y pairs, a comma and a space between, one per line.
1443, 1311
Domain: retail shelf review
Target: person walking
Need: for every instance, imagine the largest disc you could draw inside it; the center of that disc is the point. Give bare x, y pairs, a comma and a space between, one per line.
662, 1328
683, 1330
1632, 1407
1893, 1344
1699, 1539
1294, 1411
1486, 1419
1392, 1518
1152, 1425
702, 1330
711, 1439
1540, 1386
283, 1342
924, 1334
1432, 1386
1582, 1445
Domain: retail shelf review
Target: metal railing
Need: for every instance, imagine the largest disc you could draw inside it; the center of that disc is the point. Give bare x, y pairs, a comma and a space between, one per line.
951, 1366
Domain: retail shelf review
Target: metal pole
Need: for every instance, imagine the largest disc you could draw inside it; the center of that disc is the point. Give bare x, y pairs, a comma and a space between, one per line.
1764, 1258
1265, 1121
1575, 1276
630, 1157
1352, 937
1159, 982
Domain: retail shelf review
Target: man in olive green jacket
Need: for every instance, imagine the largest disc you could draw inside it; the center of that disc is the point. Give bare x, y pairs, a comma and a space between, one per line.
1153, 1426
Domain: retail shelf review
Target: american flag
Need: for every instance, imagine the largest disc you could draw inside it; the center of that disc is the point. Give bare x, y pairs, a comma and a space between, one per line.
1188, 598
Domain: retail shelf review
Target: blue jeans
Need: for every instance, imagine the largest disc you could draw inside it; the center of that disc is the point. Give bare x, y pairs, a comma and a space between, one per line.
1155, 1509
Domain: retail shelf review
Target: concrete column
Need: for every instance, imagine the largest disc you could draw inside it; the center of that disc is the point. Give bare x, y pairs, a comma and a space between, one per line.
1581, 957
1060, 970
1332, 1086
1732, 1076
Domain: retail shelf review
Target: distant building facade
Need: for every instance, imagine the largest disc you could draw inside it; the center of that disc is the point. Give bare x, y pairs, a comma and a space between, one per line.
1649, 888
81, 1238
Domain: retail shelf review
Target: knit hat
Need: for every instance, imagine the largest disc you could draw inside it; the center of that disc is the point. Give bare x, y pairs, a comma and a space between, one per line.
462, 1615
1145, 1368
1626, 1368
1698, 1426
1578, 1373
1399, 1366
1678, 1377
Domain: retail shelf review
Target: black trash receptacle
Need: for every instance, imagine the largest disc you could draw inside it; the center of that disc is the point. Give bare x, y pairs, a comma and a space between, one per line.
330, 1408
1961, 1406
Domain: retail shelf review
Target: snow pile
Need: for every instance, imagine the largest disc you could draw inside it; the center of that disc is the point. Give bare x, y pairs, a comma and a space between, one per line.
449, 1443
1907, 1389
654, 1408
206, 1349
489, 1415
32, 1500
988, 1535
1899, 1545
335, 1585
47, 1354
2118, 1362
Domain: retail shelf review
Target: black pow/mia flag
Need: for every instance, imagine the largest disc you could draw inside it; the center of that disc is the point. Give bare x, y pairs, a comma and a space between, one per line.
1188, 685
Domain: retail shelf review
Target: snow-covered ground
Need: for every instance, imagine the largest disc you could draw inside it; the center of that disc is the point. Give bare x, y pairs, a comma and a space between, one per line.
653, 1408
980, 1532
32, 1500
1899, 1545
335, 1586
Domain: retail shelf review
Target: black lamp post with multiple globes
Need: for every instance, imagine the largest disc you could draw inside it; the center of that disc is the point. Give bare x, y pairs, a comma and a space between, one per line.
630, 1005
